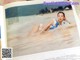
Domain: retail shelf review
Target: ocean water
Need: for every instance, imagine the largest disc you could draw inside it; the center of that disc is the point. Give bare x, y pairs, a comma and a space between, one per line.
27, 10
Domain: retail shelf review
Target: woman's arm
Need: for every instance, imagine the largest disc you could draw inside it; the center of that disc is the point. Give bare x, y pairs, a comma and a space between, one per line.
71, 25
47, 26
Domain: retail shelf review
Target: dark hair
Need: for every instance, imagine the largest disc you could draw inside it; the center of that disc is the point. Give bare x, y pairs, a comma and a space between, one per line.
62, 13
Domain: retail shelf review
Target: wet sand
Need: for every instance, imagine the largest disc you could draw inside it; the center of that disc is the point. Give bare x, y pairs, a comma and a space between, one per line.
59, 38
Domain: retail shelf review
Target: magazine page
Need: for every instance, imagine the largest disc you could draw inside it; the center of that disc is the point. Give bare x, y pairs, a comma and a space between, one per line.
3, 41
0, 43
0, 35
0, 39
2, 31
0, 26
77, 7
42, 30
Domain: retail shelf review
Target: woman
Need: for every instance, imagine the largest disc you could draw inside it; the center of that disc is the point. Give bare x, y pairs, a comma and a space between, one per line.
51, 24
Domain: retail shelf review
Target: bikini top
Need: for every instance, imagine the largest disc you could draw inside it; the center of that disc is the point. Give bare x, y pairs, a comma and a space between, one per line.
56, 24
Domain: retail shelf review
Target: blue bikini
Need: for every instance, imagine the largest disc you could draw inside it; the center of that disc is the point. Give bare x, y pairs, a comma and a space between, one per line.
56, 25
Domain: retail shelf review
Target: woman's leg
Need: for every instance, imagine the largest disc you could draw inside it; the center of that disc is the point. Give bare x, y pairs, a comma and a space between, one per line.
40, 29
34, 29
71, 25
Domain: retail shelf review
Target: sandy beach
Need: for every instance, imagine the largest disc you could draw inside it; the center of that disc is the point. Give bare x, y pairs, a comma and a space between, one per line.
59, 38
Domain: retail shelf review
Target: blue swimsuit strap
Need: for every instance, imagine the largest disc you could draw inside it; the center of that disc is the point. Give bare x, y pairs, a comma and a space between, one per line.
56, 25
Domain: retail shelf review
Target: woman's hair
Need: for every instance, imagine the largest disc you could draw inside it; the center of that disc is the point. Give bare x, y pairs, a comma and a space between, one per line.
63, 14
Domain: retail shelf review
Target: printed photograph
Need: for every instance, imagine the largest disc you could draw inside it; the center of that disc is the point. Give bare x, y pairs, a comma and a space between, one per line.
40, 27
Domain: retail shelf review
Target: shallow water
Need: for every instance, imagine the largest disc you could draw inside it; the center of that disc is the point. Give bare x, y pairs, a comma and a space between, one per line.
59, 38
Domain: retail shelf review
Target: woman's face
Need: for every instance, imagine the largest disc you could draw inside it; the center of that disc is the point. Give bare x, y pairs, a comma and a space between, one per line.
61, 17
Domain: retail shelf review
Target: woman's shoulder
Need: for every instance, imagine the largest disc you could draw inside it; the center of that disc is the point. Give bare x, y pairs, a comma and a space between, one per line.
55, 20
